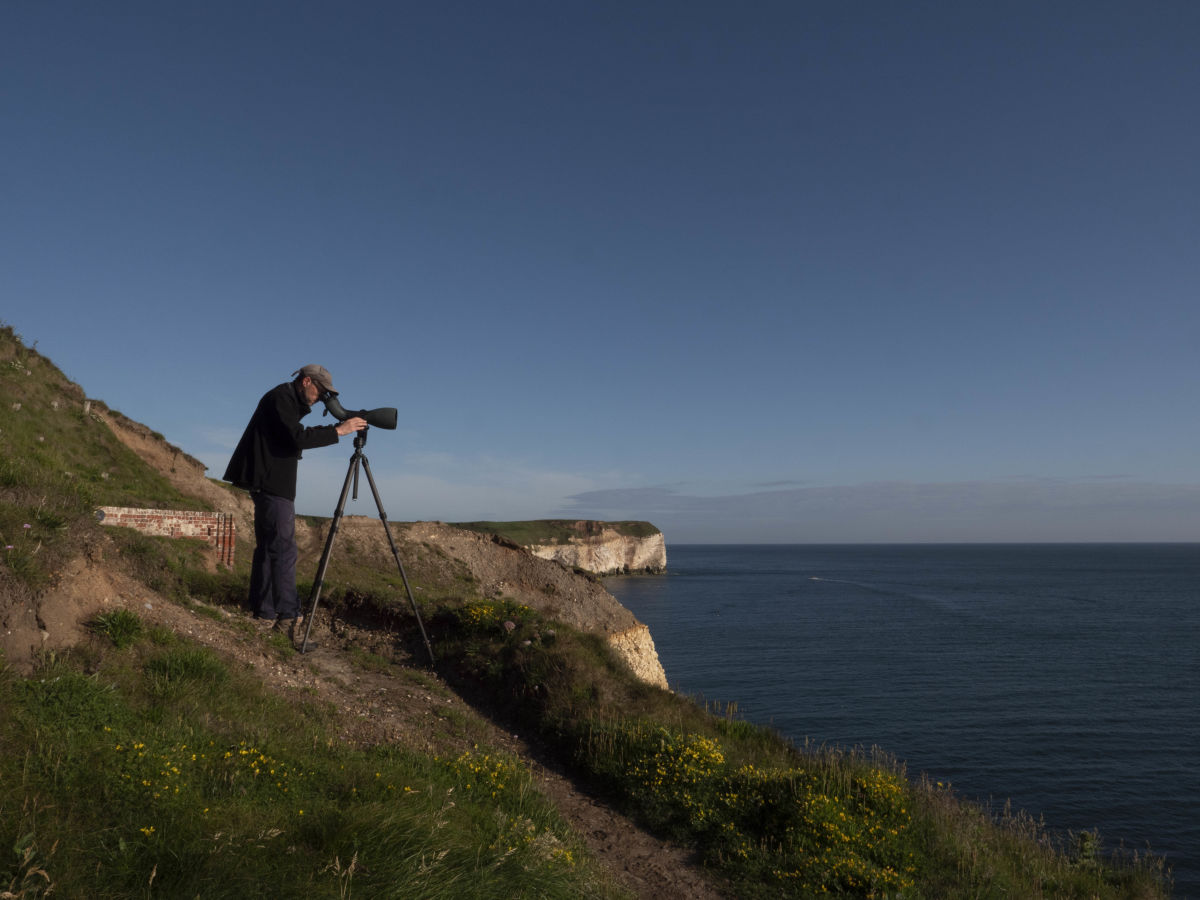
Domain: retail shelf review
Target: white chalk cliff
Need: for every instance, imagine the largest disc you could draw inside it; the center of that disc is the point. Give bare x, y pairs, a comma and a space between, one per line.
608, 552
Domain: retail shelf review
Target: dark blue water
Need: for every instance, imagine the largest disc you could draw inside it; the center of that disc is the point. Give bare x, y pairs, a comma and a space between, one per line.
1065, 678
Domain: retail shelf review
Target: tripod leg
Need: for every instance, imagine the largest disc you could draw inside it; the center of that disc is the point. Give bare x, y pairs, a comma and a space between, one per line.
351, 474
396, 554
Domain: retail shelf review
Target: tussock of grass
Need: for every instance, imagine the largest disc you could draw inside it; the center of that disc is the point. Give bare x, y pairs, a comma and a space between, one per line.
120, 626
27, 875
185, 668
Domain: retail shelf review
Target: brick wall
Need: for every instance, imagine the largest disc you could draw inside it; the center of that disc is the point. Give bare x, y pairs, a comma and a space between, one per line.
216, 529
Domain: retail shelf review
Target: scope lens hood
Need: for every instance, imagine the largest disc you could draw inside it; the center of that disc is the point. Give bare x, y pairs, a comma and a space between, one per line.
384, 417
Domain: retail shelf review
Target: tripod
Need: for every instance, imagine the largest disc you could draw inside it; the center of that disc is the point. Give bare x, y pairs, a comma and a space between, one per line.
359, 458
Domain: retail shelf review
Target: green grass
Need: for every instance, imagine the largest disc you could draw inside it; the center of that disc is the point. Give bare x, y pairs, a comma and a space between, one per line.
769, 818
178, 569
57, 464
555, 531
164, 773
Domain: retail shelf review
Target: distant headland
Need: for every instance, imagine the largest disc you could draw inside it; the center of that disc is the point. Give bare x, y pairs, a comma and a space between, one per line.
601, 548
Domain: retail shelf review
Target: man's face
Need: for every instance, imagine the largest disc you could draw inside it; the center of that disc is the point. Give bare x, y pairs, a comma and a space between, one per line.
311, 391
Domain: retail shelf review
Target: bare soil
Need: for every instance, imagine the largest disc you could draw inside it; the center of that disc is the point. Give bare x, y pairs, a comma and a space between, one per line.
408, 705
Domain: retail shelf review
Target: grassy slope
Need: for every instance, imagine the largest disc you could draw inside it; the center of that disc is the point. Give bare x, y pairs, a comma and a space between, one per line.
141, 760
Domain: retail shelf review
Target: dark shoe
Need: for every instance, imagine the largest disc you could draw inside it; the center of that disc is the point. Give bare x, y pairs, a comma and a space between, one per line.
291, 626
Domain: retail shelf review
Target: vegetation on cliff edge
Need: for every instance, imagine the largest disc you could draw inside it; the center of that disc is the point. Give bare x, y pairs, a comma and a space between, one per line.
557, 531
141, 763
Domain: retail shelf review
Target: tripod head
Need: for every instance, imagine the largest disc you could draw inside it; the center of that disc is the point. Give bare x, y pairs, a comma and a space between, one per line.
383, 417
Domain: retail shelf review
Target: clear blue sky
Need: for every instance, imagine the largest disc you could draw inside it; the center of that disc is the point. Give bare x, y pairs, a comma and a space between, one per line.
766, 271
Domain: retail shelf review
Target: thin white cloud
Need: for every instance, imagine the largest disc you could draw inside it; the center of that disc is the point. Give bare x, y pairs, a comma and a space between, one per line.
450, 487
1025, 510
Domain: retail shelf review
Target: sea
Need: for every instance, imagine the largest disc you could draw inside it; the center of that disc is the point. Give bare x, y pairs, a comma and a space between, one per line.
1063, 678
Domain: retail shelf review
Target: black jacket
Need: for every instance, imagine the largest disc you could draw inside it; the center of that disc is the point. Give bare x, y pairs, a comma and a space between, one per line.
266, 456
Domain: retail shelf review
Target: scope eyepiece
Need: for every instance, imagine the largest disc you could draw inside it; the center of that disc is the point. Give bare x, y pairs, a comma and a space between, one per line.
384, 417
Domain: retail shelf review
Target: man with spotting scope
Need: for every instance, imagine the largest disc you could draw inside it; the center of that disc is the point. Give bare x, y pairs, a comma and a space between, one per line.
265, 464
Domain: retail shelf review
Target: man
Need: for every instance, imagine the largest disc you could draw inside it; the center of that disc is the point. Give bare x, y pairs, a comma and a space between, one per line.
265, 463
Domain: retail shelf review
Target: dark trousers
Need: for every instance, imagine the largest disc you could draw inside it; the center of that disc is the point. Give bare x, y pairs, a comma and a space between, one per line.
273, 572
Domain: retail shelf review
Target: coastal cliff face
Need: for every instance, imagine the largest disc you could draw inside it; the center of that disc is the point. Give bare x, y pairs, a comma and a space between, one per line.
635, 647
608, 552
504, 570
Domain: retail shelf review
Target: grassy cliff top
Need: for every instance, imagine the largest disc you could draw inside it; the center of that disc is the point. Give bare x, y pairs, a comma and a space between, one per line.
557, 531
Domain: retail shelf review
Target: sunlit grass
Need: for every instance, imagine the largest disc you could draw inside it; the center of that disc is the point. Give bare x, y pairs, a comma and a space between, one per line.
820, 824
165, 773
57, 464
768, 818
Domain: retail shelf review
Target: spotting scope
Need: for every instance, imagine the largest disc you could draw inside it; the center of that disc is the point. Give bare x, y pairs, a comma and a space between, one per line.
384, 417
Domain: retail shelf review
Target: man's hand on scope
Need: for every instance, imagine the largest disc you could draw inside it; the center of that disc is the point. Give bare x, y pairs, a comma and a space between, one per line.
352, 424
